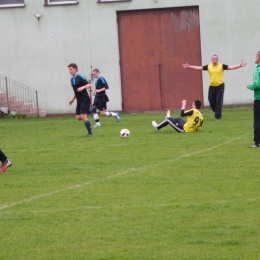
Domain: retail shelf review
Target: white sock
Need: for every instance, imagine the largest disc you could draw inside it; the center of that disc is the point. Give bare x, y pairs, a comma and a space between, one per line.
168, 113
96, 117
110, 114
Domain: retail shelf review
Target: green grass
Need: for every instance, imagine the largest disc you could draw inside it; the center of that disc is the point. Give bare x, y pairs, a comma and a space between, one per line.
155, 195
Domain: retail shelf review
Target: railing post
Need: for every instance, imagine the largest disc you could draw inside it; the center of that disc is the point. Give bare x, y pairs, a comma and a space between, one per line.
6, 87
37, 103
90, 96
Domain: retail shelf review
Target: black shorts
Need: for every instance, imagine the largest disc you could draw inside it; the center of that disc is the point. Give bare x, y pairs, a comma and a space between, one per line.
82, 107
100, 104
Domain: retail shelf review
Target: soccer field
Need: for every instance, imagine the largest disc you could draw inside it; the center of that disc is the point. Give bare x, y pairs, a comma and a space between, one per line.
155, 195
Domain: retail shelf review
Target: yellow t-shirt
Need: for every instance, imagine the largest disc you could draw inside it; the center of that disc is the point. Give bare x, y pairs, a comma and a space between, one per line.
194, 122
216, 73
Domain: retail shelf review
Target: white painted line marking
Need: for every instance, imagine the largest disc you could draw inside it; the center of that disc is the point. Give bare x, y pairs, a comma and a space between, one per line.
6, 206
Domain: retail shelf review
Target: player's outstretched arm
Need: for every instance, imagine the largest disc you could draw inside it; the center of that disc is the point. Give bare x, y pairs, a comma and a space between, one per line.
234, 67
183, 104
188, 66
187, 113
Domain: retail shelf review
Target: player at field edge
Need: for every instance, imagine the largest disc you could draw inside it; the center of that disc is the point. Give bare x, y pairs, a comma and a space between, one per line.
5, 162
255, 86
101, 99
217, 85
80, 85
194, 121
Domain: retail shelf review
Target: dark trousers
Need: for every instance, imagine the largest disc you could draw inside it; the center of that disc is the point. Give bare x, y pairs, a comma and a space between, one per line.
257, 121
176, 123
2, 156
215, 97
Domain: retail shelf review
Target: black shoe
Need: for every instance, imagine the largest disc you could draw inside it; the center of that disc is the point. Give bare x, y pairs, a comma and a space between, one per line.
254, 146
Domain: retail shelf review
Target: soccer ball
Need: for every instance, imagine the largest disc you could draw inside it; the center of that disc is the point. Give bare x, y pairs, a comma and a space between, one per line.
124, 133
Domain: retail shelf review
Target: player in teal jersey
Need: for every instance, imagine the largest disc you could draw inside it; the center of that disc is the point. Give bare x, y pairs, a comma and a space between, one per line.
80, 85
101, 99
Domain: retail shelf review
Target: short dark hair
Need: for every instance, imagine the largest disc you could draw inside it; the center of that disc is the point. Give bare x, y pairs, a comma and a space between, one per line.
197, 104
73, 65
96, 70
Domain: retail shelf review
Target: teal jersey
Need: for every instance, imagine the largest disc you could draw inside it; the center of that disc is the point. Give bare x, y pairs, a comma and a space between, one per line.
256, 83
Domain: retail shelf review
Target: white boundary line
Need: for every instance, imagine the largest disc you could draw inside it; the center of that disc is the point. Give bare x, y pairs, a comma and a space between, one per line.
183, 204
6, 206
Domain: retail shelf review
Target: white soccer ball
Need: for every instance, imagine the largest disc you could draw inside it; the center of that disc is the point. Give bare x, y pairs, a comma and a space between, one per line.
124, 133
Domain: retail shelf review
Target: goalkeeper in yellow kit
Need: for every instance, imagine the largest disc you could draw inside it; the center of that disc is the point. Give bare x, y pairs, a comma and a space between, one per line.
194, 121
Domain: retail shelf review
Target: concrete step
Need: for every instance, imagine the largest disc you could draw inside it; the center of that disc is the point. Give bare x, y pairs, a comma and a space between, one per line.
4, 110
18, 106
34, 114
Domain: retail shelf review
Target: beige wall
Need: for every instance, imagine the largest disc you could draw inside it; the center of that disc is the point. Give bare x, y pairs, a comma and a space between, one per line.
37, 52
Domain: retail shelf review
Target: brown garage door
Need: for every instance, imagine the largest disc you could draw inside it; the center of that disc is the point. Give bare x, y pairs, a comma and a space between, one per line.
153, 45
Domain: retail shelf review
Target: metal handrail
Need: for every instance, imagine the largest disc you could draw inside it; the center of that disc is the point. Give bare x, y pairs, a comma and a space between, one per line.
18, 97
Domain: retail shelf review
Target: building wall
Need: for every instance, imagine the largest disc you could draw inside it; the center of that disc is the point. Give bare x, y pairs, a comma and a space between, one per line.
37, 52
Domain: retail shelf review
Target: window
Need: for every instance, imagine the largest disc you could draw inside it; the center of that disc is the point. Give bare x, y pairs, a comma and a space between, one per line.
60, 2
110, 1
11, 3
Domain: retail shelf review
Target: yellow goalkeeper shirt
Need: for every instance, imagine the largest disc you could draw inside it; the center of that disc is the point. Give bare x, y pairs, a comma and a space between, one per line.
194, 121
216, 73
